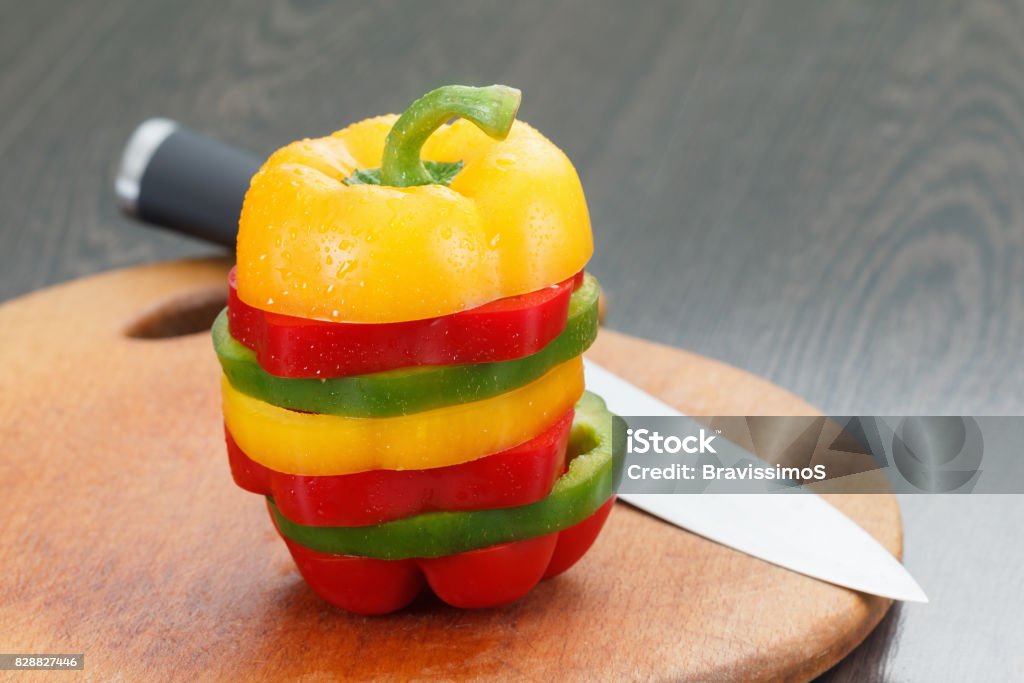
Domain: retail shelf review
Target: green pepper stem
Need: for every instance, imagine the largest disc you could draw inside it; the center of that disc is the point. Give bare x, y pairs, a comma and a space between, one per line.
492, 108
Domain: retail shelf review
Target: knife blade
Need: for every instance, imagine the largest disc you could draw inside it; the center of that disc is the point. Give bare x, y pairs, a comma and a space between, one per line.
830, 546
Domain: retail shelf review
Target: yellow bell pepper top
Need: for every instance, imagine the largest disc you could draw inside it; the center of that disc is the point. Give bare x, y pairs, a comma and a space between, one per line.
511, 221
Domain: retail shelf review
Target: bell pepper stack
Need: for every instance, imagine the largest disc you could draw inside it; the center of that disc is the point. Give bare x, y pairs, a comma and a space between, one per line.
401, 354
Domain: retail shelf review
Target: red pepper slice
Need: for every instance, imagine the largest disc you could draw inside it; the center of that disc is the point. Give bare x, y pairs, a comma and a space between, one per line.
517, 476
287, 346
479, 578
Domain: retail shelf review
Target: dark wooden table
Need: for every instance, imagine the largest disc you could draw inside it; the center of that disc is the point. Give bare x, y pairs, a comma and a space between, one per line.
829, 196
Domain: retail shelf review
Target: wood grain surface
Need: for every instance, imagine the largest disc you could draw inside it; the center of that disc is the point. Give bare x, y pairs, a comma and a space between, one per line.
824, 194
135, 548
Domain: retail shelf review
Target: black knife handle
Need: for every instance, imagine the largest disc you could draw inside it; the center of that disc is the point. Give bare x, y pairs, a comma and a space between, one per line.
176, 178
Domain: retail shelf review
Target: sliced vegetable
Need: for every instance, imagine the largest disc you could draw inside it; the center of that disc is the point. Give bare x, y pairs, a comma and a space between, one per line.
518, 476
287, 346
596, 452
402, 392
478, 578
304, 443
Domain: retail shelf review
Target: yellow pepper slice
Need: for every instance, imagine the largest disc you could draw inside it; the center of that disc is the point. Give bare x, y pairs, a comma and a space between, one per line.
512, 221
311, 444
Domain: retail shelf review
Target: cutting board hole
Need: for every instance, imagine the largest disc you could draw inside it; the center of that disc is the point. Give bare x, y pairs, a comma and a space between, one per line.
186, 314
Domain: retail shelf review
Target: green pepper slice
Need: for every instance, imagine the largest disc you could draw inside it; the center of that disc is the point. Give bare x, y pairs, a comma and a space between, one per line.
596, 451
409, 390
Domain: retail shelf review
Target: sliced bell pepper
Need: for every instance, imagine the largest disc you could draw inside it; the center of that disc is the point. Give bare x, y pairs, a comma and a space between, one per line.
596, 452
319, 239
487, 577
506, 329
518, 476
402, 392
305, 443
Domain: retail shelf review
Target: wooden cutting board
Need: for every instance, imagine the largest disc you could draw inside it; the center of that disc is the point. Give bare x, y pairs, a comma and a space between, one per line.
124, 538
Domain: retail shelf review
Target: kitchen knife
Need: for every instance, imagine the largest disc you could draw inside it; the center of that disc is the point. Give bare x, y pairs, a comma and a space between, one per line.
175, 178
